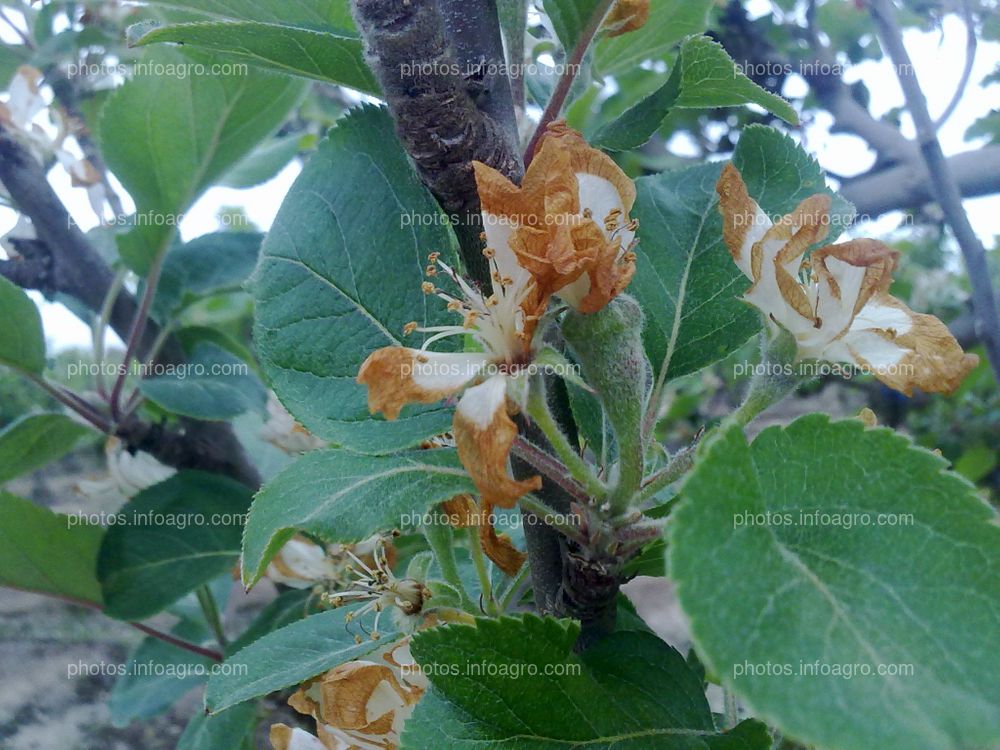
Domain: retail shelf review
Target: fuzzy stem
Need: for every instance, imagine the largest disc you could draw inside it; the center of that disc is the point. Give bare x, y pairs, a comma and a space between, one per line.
550, 517
479, 560
441, 540
517, 588
538, 410
210, 609
679, 465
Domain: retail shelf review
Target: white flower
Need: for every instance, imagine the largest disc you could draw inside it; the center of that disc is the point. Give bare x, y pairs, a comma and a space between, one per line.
301, 564
568, 222
24, 103
22, 230
502, 324
837, 304
283, 432
379, 590
564, 232
128, 473
359, 705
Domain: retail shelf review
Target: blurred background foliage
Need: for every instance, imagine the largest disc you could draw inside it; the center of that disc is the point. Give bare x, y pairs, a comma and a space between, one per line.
84, 42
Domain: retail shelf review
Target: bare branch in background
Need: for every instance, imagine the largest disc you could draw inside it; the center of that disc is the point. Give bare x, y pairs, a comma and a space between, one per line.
971, 44
62, 260
943, 182
908, 185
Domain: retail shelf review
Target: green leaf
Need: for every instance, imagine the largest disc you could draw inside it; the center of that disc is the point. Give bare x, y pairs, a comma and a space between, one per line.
288, 656
866, 555
686, 280
289, 606
170, 539
263, 163
22, 344
35, 440
591, 423
569, 17
212, 385
516, 683
211, 264
232, 730
345, 497
46, 552
669, 22
329, 55
340, 276
310, 14
704, 76
780, 174
183, 128
12, 56
157, 674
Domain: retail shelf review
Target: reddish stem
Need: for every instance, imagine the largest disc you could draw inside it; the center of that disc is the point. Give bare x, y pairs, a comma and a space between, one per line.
194, 648
136, 333
549, 467
558, 98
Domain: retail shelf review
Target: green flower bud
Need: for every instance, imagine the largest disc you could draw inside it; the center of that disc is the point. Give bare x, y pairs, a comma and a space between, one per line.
608, 345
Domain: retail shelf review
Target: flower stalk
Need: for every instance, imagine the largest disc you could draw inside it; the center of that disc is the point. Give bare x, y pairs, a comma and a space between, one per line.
538, 410
441, 540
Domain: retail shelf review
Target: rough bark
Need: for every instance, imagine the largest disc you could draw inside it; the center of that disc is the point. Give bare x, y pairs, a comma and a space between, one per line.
447, 112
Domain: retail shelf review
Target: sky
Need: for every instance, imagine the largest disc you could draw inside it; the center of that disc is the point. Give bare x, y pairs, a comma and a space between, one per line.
938, 58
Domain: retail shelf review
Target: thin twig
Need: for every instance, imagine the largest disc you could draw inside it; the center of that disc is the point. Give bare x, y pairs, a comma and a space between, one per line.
173, 640
206, 599
73, 402
971, 44
550, 517
17, 30
100, 327
548, 467
679, 465
479, 561
136, 332
194, 648
943, 183
558, 98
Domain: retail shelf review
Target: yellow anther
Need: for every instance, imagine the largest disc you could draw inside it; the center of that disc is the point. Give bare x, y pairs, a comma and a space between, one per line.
506, 281
427, 288
454, 306
489, 252
492, 301
431, 271
470, 319
409, 328
433, 257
